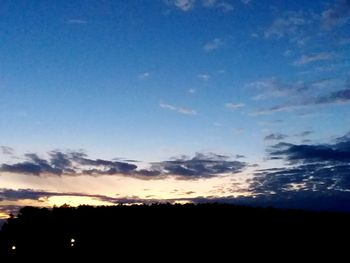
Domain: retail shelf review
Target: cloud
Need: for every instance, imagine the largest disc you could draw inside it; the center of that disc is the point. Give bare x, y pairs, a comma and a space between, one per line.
304, 133
182, 110
183, 5
200, 166
290, 24
6, 150
273, 87
245, 1
234, 106
336, 97
209, 3
34, 165
144, 75
336, 16
57, 163
204, 77
187, 111
191, 91
332, 98
38, 195
168, 107
272, 122
332, 153
344, 41
225, 7
212, 45
72, 163
77, 21
187, 5
275, 137
238, 130
322, 168
323, 56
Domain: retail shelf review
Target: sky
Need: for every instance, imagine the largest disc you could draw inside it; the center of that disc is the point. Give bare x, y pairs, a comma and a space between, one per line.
240, 101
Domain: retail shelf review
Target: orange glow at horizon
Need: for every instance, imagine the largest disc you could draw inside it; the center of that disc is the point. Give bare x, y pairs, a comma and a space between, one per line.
75, 201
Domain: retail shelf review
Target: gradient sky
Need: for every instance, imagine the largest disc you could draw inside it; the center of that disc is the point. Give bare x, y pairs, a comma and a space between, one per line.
110, 101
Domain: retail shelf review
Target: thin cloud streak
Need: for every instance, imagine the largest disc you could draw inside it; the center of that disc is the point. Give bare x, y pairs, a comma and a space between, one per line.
182, 110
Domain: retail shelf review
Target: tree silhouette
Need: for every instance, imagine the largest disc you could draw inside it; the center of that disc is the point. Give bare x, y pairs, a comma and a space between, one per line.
152, 230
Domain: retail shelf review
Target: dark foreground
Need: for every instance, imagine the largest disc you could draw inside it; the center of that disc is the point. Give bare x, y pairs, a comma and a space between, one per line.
172, 232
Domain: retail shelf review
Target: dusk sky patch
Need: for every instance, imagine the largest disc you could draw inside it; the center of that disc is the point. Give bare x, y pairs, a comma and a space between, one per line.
216, 99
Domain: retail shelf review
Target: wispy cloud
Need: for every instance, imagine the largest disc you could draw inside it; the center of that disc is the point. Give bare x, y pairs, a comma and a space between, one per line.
144, 75
187, 5
77, 21
289, 24
212, 45
6, 150
182, 110
168, 107
204, 77
209, 3
238, 130
183, 5
234, 106
270, 123
187, 111
336, 16
323, 56
273, 87
223, 5
191, 91
288, 53
344, 41
333, 98
275, 137
304, 133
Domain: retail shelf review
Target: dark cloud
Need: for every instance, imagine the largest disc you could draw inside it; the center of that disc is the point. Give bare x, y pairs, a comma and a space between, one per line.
35, 165
6, 150
78, 163
336, 97
306, 141
275, 137
340, 96
37, 195
200, 166
71, 163
338, 15
23, 194
339, 152
304, 133
323, 168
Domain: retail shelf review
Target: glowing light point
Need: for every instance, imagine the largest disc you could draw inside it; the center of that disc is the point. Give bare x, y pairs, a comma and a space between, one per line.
13, 247
72, 241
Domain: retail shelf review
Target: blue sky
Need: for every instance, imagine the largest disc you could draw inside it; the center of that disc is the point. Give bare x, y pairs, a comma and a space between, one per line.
164, 80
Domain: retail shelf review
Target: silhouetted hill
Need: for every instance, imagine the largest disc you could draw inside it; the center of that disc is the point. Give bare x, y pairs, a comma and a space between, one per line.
149, 231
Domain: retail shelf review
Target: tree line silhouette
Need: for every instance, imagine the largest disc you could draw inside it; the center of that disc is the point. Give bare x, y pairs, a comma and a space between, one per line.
152, 230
